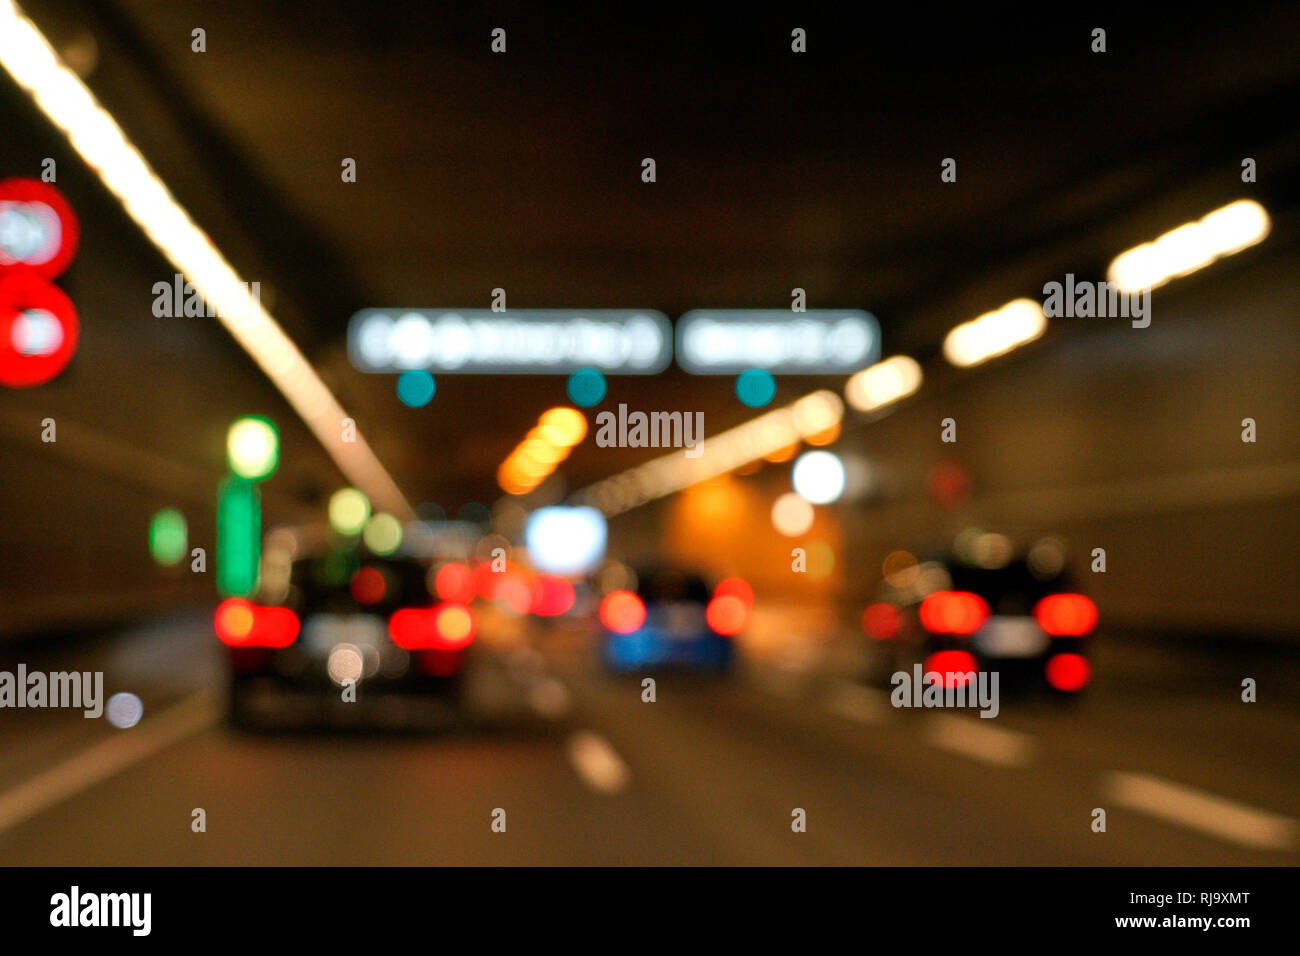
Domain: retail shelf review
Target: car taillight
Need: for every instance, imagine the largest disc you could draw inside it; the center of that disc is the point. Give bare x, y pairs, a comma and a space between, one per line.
953, 612
727, 615
241, 623
1066, 615
736, 587
446, 627
955, 668
881, 621
622, 612
1068, 672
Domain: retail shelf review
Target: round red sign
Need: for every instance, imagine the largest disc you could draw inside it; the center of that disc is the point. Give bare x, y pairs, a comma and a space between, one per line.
38, 331
38, 230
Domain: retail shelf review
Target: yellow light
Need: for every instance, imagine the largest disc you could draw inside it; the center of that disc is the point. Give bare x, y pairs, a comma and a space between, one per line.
348, 511
995, 333
883, 383
827, 437
1191, 246
382, 534
253, 448
564, 427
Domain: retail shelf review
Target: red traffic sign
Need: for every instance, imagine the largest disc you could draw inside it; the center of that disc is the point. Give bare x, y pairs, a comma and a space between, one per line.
38, 331
38, 230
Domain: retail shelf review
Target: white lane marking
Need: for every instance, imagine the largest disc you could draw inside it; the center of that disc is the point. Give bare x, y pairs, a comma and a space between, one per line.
1217, 816
597, 763
972, 737
866, 705
105, 759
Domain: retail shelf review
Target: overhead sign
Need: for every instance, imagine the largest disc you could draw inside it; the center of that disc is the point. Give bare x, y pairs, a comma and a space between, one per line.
527, 341
38, 231
816, 342
38, 331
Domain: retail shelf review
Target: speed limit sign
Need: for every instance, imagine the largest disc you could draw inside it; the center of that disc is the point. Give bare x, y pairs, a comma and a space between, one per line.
38, 330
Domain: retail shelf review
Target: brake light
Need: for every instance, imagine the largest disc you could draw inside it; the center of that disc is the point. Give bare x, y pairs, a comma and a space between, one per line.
735, 587
727, 615
1068, 672
955, 668
455, 582
241, 623
368, 586
557, 596
1066, 615
881, 621
953, 612
445, 627
622, 612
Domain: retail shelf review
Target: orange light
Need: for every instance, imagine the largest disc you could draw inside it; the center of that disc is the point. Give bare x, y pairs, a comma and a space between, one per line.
1066, 615
622, 612
953, 612
727, 615
455, 625
955, 668
1068, 672
881, 621
824, 437
564, 427
234, 621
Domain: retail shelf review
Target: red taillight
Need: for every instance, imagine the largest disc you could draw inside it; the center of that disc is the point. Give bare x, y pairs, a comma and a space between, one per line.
953, 612
1066, 615
955, 668
735, 587
368, 586
622, 612
241, 623
1068, 672
556, 596
445, 627
455, 582
881, 621
727, 615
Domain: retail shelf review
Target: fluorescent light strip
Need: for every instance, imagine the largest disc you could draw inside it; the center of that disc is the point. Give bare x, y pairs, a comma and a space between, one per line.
92, 131
1192, 246
883, 383
719, 454
995, 333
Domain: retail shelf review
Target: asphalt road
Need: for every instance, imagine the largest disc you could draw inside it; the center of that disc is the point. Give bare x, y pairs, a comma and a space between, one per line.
711, 772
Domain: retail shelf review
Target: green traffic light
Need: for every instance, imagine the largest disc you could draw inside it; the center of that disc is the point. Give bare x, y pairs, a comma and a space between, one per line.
253, 447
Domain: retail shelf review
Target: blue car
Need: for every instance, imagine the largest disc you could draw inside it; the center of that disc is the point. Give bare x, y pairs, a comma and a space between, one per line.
672, 620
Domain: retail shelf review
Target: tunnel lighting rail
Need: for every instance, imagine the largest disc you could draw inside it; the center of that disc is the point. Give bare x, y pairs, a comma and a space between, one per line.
1192, 246
35, 66
734, 448
995, 333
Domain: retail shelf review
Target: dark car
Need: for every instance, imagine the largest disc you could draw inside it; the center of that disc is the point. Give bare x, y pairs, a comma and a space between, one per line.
1014, 613
673, 619
348, 637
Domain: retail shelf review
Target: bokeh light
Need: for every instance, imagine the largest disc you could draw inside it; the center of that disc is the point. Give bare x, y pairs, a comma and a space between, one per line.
348, 511
416, 387
755, 387
253, 448
792, 515
587, 387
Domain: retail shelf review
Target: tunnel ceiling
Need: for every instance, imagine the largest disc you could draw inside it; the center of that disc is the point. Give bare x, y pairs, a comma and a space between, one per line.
774, 170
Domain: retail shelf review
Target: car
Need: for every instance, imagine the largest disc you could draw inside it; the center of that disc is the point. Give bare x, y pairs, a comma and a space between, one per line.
672, 618
986, 607
343, 637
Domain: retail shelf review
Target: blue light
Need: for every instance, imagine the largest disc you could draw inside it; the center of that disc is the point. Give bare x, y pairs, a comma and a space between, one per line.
416, 387
587, 387
755, 387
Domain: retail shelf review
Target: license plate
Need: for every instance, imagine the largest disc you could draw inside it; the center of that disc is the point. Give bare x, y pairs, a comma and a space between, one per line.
1011, 637
322, 632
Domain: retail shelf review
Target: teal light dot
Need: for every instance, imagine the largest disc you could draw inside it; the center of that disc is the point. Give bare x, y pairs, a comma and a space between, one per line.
755, 387
587, 387
415, 387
